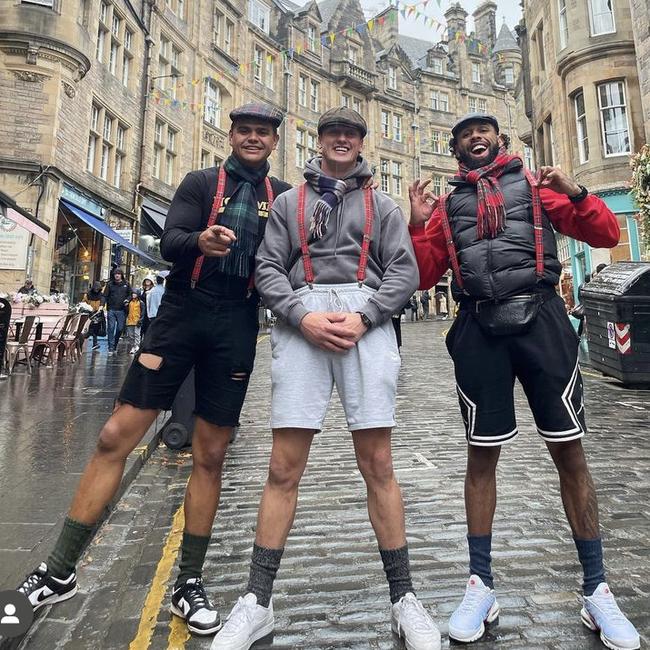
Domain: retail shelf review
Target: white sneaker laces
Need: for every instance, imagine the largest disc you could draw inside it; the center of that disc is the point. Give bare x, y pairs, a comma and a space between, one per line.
242, 612
414, 614
609, 607
471, 601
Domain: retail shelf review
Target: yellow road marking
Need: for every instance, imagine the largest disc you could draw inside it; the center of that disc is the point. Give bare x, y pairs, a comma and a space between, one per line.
156, 593
444, 332
178, 633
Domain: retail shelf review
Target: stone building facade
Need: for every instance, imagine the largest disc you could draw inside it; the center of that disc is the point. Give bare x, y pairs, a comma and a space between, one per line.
584, 105
107, 106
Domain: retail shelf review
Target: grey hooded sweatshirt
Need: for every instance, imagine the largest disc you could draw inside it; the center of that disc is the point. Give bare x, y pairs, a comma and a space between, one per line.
392, 269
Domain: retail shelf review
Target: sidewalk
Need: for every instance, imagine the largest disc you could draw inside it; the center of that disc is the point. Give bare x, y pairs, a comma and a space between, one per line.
49, 423
330, 591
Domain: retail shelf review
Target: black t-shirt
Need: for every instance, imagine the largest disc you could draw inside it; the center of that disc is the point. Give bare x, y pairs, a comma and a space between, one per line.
188, 217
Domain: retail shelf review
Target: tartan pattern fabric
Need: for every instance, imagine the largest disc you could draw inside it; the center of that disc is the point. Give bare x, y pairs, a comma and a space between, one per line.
491, 213
258, 111
241, 216
331, 192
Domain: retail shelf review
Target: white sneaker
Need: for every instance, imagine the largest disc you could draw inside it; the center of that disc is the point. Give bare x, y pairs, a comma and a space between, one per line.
246, 623
410, 621
601, 614
479, 607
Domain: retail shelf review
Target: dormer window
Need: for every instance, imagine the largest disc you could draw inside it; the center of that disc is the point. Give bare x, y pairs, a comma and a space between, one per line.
260, 15
436, 64
392, 77
312, 38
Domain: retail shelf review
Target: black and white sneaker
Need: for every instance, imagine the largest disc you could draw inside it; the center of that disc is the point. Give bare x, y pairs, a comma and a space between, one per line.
190, 602
42, 588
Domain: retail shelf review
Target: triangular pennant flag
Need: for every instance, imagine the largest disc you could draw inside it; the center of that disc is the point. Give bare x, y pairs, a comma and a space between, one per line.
331, 36
371, 24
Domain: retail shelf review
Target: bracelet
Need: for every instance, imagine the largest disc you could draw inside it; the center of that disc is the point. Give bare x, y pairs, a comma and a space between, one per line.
579, 197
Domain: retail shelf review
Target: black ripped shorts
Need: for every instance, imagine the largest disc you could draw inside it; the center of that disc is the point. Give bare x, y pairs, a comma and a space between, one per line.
215, 337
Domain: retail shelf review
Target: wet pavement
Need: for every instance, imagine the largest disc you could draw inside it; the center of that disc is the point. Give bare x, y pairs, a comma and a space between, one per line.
330, 591
49, 423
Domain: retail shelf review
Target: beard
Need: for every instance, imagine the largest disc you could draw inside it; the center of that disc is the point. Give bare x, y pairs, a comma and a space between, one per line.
470, 162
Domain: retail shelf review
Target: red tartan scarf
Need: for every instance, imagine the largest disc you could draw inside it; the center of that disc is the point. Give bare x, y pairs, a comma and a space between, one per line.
491, 213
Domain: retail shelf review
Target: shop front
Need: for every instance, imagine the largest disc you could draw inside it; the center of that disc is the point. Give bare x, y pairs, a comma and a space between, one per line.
86, 246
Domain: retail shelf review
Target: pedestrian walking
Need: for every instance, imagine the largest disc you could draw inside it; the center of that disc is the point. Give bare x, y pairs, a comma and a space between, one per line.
424, 301
496, 231
443, 310
414, 306
116, 296
155, 296
354, 268
147, 286
206, 321
134, 316
95, 298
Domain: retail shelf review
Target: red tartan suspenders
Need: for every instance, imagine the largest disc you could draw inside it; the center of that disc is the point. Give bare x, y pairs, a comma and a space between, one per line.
365, 245
537, 227
214, 214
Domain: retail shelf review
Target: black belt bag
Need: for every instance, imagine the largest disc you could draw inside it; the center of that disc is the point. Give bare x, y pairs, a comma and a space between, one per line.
514, 315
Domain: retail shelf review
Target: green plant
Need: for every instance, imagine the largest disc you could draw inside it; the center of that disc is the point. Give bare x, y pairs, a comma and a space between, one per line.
640, 164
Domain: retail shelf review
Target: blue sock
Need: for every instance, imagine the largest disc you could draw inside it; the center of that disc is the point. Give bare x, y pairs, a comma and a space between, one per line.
480, 560
590, 554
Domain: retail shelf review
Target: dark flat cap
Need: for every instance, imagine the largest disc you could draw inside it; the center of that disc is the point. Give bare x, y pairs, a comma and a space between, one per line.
342, 116
258, 111
474, 117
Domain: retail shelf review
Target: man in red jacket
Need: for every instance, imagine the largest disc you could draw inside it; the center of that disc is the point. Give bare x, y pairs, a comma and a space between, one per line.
496, 231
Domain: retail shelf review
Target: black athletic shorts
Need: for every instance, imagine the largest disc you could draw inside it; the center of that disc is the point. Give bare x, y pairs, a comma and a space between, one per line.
216, 337
544, 360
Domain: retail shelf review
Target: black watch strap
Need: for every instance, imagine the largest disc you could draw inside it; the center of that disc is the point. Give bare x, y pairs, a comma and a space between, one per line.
579, 197
365, 320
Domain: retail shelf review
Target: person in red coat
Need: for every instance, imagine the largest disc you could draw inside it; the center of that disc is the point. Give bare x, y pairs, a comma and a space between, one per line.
496, 231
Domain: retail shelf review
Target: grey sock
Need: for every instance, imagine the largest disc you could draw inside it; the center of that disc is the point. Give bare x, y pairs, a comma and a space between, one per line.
398, 571
265, 563
68, 548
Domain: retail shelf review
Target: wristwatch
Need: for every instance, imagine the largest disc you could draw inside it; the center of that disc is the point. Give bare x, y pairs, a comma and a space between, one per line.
579, 197
365, 320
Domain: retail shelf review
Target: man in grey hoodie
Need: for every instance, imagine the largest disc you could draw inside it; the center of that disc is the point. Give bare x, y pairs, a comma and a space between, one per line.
335, 263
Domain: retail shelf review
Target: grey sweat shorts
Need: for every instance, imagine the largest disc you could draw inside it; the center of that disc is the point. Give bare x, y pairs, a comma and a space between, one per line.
303, 375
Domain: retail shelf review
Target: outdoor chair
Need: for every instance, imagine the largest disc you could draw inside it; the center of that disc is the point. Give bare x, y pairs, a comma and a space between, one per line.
45, 350
14, 348
70, 342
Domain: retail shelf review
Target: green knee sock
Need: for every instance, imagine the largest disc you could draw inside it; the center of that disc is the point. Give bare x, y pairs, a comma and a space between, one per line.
193, 550
68, 548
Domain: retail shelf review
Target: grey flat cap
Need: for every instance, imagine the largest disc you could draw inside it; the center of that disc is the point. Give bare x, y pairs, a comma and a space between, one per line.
474, 117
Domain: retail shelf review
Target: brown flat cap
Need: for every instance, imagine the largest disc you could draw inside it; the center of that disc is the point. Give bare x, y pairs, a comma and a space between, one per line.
342, 116
258, 111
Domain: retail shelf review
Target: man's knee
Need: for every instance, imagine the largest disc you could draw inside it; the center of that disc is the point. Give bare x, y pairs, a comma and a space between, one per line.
482, 462
113, 440
211, 457
376, 466
284, 474
569, 458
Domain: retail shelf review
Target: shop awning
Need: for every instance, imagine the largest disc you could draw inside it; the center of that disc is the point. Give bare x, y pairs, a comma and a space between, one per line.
103, 228
156, 213
23, 218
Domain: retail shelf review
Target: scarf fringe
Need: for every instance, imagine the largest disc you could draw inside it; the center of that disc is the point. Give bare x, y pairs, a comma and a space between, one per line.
320, 219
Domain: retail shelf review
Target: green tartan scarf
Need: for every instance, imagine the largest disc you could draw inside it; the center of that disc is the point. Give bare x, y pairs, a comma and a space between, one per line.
241, 216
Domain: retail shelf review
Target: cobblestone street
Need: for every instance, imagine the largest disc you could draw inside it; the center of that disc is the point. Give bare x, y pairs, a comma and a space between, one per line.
331, 591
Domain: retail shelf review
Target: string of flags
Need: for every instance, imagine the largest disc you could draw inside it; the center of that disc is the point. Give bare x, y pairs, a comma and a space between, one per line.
407, 11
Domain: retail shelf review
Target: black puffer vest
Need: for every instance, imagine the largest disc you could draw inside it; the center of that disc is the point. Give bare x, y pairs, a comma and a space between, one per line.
503, 266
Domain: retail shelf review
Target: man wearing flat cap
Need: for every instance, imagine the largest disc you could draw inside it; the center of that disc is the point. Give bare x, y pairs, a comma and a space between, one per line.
336, 262
207, 320
495, 230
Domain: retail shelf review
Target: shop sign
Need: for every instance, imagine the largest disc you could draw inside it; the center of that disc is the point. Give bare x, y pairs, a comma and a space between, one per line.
14, 242
82, 201
127, 233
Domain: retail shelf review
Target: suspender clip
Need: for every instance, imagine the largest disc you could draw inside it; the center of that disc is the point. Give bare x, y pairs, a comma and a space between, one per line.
193, 283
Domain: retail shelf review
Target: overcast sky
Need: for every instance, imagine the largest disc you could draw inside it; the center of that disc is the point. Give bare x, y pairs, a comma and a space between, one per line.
510, 9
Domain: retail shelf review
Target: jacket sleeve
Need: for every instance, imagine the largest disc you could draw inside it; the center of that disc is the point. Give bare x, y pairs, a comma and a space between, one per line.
271, 268
430, 251
400, 277
184, 222
589, 220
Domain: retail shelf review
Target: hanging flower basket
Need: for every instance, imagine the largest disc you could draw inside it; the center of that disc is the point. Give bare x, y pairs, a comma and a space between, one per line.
640, 164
